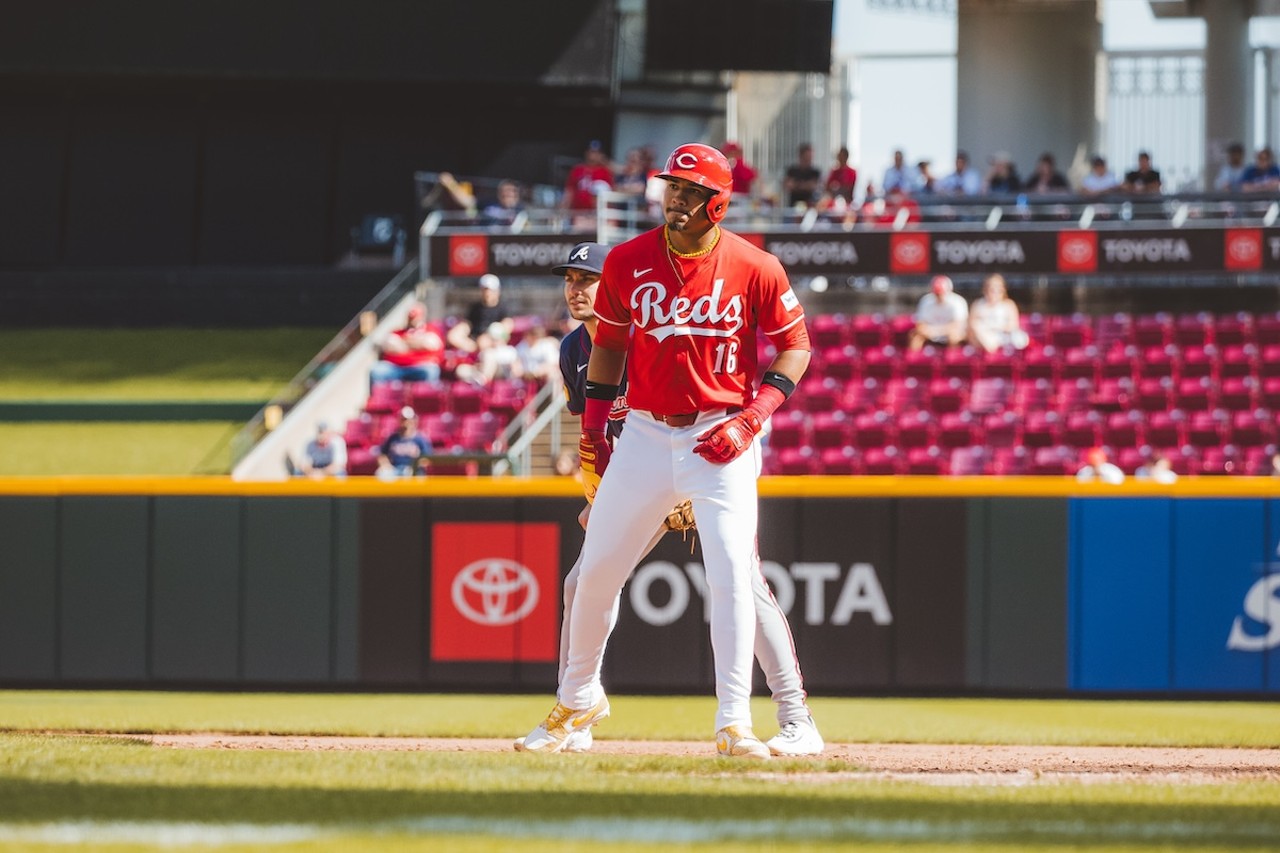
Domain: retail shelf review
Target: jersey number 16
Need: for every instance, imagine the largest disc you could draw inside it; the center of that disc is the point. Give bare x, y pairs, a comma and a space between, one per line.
726, 358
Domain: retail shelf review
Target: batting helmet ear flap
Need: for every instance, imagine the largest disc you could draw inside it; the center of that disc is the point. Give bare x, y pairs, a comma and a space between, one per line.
707, 167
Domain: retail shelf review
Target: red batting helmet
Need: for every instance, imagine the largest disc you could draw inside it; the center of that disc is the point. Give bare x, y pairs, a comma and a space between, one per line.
706, 167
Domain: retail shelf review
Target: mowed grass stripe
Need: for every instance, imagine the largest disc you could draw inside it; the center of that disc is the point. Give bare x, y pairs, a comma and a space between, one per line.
1012, 721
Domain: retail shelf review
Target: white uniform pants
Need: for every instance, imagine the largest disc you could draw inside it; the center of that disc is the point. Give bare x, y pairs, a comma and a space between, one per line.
652, 469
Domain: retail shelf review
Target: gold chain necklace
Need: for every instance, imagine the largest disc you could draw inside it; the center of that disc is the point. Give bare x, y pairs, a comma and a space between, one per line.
666, 232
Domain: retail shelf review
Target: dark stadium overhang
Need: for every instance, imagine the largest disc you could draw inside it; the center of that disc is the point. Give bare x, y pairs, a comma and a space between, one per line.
1193, 8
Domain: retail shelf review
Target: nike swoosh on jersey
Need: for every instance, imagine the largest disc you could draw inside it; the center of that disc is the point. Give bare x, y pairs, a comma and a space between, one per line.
638, 273
581, 367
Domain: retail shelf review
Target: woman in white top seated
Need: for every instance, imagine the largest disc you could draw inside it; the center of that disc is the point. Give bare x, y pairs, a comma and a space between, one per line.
993, 318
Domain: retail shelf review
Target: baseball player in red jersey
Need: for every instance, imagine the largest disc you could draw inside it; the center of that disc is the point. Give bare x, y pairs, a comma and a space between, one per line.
682, 304
774, 647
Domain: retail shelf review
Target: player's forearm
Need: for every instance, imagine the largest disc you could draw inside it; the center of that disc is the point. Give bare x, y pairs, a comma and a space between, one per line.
606, 365
791, 363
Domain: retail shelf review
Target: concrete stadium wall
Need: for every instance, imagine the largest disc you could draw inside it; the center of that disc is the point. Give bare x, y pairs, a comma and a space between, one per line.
892, 586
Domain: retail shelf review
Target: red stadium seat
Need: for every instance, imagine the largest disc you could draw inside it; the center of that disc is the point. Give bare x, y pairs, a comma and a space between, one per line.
1233, 330
957, 429
1114, 394
839, 363
1193, 330
927, 461
1123, 429
916, 429
1054, 461
385, 398
1000, 429
1112, 329
1119, 363
871, 429
1082, 429
361, 461
1152, 330
1238, 394
1237, 361
1032, 396
883, 461
990, 395
959, 363
969, 461
795, 461
788, 428
1166, 429
1041, 428
1267, 330
839, 461
1154, 394
1074, 395
946, 395
882, 364
921, 364
1198, 361
1157, 362
1069, 331
997, 365
1194, 394
1008, 461
830, 429
861, 396
466, 399
1040, 364
1252, 429
829, 330
870, 331
903, 394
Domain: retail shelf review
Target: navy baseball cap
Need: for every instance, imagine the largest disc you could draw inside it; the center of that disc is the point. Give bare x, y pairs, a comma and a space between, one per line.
585, 256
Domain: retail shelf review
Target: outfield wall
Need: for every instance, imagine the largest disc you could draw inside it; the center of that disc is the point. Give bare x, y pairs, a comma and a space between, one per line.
891, 585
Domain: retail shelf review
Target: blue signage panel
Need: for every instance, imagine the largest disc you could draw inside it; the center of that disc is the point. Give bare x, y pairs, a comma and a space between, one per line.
1219, 556
1118, 602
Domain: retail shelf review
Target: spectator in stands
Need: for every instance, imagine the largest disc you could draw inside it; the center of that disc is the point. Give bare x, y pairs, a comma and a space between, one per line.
898, 176
633, 177
965, 180
941, 316
1098, 467
497, 358
1002, 178
1263, 175
539, 353
450, 194
1228, 179
480, 316
587, 180
800, 184
506, 205
405, 451
924, 181
1158, 470
744, 177
324, 456
1275, 464
413, 353
1099, 179
1046, 178
994, 321
842, 179
1143, 180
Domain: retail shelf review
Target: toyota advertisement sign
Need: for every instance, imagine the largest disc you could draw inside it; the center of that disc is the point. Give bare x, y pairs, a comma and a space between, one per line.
1038, 251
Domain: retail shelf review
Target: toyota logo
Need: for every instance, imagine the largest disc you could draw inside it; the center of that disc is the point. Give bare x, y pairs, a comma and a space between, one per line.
494, 591
909, 252
468, 255
1242, 248
1077, 250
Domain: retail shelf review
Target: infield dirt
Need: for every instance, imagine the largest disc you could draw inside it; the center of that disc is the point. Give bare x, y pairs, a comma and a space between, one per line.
936, 763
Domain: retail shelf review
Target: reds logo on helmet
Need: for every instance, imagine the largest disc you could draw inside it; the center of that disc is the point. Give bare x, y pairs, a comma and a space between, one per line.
708, 168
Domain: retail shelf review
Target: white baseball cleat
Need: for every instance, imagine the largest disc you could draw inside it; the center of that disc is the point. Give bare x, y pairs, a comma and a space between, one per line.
798, 737
553, 733
578, 741
739, 742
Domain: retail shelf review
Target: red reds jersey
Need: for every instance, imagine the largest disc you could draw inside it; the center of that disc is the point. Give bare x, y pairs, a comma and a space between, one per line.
693, 346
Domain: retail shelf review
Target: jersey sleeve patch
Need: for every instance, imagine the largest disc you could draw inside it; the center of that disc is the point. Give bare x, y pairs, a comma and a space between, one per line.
789, 300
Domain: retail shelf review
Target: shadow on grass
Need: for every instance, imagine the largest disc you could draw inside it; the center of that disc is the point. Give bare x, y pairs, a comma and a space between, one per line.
824, 814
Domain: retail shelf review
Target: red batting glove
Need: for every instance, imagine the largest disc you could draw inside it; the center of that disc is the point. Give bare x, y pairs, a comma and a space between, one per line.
594, 453
727, 441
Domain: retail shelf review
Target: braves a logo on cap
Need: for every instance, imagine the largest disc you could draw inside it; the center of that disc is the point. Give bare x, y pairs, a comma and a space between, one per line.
580, 254
710, 315
686, 160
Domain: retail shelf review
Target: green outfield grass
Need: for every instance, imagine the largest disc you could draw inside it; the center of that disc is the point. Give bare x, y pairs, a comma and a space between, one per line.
153, 364
139, 365
38, 449
112, 793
